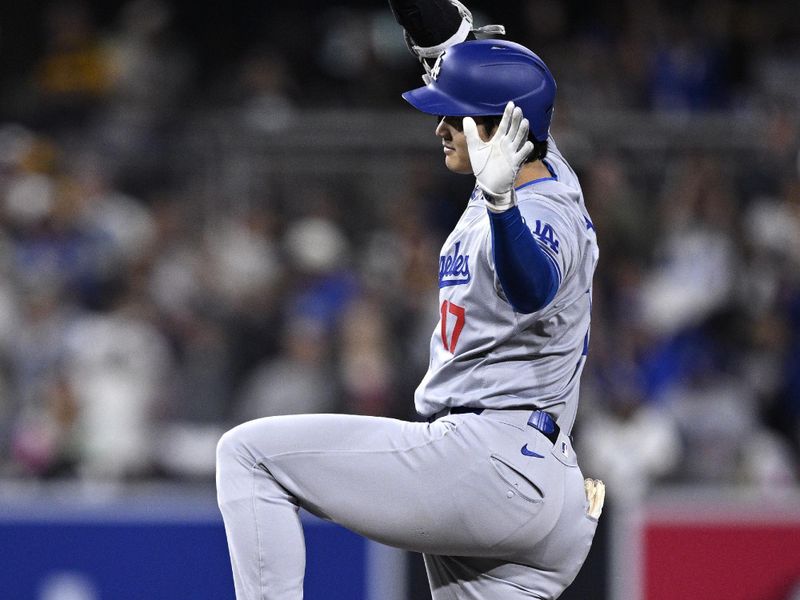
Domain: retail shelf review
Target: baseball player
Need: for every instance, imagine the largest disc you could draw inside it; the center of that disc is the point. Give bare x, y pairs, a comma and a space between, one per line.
488, 488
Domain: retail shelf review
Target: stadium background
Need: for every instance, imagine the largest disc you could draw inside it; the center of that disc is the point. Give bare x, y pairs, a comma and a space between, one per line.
216, 211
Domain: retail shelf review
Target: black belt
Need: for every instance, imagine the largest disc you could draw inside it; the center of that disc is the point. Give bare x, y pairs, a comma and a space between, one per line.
539, 420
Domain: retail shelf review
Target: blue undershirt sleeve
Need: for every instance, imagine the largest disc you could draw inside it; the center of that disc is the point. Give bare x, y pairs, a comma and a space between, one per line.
527, 274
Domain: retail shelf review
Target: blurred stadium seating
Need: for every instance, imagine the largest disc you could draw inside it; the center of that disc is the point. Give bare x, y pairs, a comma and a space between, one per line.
210, 213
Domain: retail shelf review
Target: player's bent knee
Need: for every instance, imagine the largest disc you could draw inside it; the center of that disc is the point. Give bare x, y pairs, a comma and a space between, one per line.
238, 445
232, 452
233, 468
227, 446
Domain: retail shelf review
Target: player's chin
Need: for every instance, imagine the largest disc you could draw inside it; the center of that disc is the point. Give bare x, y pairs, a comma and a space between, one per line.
456, 164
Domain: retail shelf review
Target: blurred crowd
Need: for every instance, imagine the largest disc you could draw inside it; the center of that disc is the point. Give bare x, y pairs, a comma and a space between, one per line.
140, 318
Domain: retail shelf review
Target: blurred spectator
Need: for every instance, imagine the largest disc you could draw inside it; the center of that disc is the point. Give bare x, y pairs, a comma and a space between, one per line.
631, 446
780, 157
74, 75
115, 365
725, 443
717, 415
622, 214
629, 441
149, 68
151, 72
688, 74
366, 361
42, 414
696, 256
324, 282
197, 399
176, 273
768, 463
49, 241
191, 305
265, 86
243, 260
117, 217
399, 269
299, 381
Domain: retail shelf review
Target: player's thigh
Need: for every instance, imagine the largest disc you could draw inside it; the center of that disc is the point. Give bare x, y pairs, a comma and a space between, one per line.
418, 486
374, 475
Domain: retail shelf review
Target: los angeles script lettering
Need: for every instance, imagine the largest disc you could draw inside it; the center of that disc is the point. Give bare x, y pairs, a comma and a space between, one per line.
454, 267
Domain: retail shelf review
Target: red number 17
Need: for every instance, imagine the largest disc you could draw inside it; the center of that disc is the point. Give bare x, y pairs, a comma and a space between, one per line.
460, 314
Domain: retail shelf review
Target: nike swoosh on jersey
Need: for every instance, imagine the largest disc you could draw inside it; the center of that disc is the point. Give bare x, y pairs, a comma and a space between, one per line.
527, 452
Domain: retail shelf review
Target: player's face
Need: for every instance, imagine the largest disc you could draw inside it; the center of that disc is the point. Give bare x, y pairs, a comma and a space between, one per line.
454, 143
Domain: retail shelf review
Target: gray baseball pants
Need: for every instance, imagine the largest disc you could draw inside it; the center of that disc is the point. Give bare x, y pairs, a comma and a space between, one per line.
491, 521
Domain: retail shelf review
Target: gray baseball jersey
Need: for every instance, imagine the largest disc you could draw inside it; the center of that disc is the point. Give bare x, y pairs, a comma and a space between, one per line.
483, 353
497, 508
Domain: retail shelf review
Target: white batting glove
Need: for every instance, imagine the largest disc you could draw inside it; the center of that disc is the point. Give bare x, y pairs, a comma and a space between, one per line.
496, 163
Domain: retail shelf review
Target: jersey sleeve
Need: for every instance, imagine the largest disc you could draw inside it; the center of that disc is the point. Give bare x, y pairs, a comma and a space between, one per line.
528, 277
531, 280
554, 230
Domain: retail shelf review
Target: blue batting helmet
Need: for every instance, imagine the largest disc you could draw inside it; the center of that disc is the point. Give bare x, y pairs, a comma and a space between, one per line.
479, 77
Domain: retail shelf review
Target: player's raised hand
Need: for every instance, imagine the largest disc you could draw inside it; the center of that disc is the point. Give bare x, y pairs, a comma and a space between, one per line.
496, 162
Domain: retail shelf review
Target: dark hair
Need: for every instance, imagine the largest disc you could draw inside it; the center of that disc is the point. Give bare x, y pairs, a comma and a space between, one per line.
539, 148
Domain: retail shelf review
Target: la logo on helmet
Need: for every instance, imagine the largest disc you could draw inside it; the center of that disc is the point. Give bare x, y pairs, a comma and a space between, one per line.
437, 66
